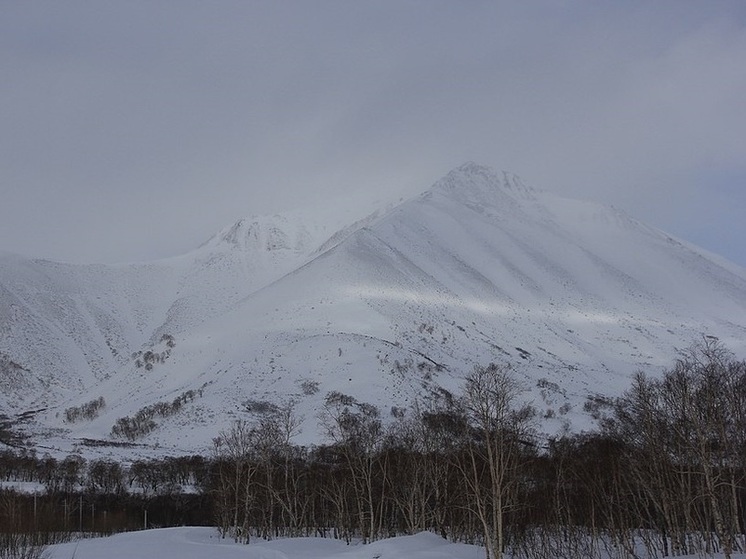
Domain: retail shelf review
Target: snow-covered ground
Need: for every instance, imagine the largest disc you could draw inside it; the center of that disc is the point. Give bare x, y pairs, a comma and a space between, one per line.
204, 543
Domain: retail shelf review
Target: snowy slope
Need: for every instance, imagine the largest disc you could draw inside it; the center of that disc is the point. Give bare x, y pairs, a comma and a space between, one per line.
479, 268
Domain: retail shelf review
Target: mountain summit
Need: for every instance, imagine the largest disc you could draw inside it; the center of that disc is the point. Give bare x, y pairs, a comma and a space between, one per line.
387, 309
477, 183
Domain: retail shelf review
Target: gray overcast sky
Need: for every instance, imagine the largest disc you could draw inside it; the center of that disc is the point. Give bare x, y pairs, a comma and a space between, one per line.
134, 130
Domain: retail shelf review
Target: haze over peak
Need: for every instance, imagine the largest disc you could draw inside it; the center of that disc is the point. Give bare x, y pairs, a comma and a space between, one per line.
316, 227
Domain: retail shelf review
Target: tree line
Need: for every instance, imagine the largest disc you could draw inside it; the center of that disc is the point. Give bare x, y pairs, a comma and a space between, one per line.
663, 474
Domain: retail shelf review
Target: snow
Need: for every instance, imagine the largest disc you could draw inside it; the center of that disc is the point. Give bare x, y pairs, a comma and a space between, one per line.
201, 542
479, 268
29, 487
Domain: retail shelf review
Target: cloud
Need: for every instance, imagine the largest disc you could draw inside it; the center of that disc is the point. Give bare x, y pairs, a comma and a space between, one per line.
135, 130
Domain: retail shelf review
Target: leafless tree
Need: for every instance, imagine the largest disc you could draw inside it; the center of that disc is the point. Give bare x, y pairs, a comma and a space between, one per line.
499, 429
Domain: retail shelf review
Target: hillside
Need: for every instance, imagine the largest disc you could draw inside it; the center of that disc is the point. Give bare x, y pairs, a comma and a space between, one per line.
479, 268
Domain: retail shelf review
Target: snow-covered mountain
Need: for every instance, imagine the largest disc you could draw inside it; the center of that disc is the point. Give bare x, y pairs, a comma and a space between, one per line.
479, 268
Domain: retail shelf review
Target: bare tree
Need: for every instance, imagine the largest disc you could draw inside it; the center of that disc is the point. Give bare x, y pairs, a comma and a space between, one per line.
687, 431
238, 446
357, 431
500, 429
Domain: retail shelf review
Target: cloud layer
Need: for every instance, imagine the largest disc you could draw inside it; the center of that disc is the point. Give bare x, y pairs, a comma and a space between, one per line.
134, 130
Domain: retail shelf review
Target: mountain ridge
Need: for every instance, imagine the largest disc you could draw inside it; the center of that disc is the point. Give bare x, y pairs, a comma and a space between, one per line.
397, 303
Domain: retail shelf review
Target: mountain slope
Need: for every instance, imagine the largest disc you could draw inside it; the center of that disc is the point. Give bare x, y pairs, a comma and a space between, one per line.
479, 268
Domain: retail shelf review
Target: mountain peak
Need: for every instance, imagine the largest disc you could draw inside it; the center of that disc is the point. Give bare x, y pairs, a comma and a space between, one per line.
270, 233
389, 308
472, 168
475, 183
